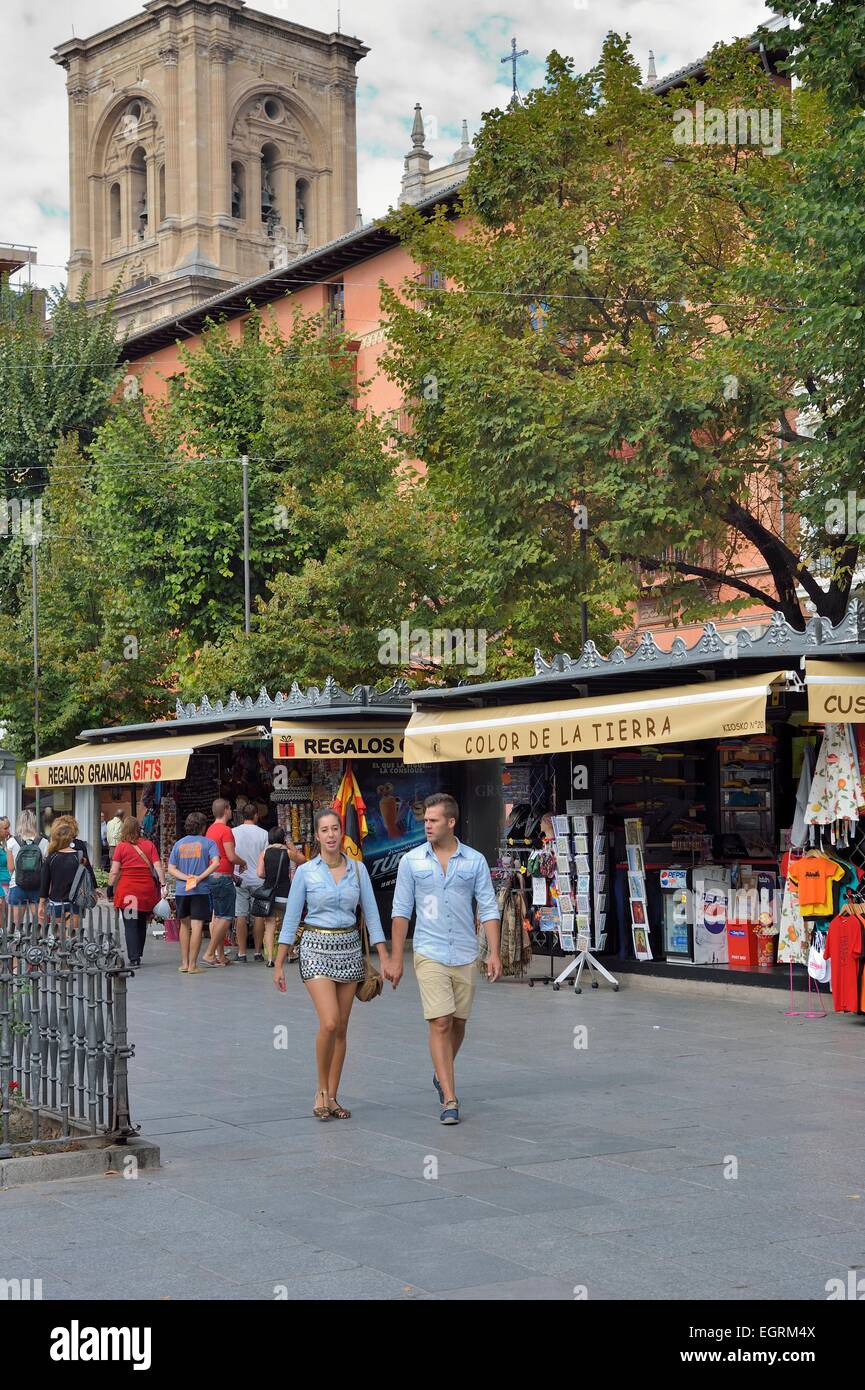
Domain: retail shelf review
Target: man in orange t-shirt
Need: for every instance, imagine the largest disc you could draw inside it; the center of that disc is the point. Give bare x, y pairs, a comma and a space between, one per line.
222, 882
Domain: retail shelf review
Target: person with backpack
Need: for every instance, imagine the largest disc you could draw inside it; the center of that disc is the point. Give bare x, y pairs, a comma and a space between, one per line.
138, 880
274, 869
5, 868
25, 857
64, 890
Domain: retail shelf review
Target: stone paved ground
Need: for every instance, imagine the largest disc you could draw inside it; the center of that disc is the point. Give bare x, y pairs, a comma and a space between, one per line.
600, 1167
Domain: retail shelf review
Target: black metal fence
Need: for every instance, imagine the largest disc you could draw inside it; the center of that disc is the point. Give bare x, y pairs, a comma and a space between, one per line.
63, 1029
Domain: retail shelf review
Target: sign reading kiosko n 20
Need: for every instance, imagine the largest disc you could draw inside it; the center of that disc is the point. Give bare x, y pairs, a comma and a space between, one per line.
323, 741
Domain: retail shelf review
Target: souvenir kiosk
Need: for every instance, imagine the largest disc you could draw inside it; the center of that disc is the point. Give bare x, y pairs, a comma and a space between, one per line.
286, 754
660, 788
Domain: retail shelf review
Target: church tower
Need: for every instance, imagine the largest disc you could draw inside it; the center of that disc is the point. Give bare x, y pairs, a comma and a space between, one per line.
208, 143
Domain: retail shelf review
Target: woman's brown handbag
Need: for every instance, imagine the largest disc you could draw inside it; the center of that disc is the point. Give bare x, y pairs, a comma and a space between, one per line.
372, 984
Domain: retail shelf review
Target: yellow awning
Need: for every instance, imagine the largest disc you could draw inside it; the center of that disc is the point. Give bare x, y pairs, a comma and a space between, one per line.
720, 709
116, 764
836, 691
334, 740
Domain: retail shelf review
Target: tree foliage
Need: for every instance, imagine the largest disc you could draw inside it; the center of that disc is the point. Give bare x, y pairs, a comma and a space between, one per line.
623, 329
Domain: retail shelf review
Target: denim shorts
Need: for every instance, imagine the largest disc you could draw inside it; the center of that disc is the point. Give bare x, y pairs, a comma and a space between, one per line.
222, 894
19, 896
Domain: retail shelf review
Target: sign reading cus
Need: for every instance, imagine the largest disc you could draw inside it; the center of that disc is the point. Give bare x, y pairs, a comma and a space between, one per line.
324, 740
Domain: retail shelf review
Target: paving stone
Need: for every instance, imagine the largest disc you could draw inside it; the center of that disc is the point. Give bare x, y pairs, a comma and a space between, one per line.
601, 1170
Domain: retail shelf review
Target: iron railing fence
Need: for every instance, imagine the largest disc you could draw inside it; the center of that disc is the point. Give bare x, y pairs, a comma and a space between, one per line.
64, 1047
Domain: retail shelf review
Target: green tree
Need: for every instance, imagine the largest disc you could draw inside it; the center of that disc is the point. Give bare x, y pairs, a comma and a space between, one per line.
98, 664
603, 343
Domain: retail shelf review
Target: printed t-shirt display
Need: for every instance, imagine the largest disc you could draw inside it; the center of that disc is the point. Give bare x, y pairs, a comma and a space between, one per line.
844, 949
814, 876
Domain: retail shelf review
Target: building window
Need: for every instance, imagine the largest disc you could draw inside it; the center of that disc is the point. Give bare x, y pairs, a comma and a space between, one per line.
434, 280
336, 305
238, 191
138, 188
269, 206
114, 211
302, 218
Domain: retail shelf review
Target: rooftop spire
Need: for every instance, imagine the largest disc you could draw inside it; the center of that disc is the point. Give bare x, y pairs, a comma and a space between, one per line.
418, 134
651, 74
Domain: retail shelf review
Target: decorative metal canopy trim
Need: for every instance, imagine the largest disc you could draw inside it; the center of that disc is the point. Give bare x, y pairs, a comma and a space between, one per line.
712, 644
330, 696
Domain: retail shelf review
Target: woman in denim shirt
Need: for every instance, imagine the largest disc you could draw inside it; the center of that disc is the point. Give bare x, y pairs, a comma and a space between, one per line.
330, 887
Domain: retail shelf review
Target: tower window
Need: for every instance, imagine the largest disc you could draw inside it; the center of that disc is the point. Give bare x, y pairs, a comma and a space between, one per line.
273, 109
302, 210
269, 207
238, 191
139, 210
114, 211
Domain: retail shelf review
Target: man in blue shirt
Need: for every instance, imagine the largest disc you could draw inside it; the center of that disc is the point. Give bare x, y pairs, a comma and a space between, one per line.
441, 882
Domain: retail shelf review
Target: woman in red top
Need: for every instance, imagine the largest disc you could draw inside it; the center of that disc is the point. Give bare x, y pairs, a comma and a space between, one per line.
138, 880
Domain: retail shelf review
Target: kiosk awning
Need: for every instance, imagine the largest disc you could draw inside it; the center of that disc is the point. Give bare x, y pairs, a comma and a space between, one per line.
330, 740
116, 764
836, 691
721, 709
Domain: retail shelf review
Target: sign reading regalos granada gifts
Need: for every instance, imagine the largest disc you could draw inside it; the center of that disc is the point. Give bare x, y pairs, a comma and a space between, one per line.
720, 709
323, 740
129, 770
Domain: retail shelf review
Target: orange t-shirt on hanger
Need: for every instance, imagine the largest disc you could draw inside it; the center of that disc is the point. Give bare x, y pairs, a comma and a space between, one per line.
814, 875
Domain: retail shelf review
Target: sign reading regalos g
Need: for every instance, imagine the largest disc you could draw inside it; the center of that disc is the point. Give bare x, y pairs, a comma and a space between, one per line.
325, 740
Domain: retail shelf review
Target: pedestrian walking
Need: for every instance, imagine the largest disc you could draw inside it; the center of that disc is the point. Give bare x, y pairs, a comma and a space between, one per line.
330, 887
25, 857
103, 840
222, 883
442, 881
250, 841
191, 864
138, 880
112, 831
66, 855
5, 858
274, 869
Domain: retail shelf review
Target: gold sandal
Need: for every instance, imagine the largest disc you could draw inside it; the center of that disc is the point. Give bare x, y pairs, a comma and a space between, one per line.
321, 1112
338, 1111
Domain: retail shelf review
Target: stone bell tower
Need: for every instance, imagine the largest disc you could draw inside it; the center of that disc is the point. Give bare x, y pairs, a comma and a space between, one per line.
208, 143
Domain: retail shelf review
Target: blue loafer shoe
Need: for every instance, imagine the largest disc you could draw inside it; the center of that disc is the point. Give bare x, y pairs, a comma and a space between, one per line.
441, 1093
450, 1115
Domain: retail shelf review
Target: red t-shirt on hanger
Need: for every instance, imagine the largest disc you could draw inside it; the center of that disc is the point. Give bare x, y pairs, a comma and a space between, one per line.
844, 949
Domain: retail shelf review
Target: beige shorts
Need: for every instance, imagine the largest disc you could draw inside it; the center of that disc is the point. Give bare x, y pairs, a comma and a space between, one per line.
445, 989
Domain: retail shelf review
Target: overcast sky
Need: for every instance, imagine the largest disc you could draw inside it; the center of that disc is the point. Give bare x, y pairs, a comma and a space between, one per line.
442, 53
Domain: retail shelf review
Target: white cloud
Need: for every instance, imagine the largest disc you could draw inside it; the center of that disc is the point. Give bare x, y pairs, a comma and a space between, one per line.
445, 55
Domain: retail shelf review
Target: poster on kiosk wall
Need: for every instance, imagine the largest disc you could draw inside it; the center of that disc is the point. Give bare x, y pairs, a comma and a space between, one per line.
394, 794
711, 890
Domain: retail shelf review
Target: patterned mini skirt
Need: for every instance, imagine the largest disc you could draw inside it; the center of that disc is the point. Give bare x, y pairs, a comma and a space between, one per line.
331, 955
